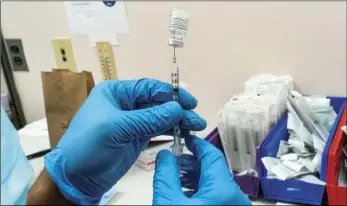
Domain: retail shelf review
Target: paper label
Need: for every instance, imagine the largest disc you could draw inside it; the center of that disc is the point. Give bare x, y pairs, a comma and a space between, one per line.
289, 157
270, 162
317, 160
291, 124
311, 179
282, 172
86, 17
283, 148
307, 162
293, 165
318, 143
297, 144
305, 135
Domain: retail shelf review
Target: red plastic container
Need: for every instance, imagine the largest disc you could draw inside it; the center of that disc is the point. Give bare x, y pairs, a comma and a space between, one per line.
337, 195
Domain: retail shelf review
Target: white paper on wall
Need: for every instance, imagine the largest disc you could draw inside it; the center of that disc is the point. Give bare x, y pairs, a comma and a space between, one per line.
100, 20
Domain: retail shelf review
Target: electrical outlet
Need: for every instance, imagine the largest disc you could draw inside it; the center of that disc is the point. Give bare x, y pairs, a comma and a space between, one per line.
16, 54
64, 53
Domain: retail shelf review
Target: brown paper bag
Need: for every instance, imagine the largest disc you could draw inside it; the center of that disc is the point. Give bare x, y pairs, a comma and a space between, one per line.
64, 92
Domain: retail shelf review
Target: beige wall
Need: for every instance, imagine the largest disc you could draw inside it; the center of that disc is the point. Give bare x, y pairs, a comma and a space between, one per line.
3, 82
233, 40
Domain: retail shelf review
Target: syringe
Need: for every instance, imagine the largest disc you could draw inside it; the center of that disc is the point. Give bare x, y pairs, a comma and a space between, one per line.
178, 29
177, 147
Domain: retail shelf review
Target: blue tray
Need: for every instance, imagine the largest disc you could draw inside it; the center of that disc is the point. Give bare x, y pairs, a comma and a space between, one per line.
294, 190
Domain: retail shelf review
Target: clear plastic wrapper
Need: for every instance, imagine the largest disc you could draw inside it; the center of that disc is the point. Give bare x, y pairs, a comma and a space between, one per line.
289, 157
247, 118
259, 124
283, 148
294, 165
246, 142
269, 103
300, 157
227, 125
243, 124
277, 86
326, 115
283, 173
269, 162
309, 119
307, 162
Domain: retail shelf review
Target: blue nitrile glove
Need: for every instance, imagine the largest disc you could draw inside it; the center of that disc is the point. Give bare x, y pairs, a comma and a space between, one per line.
216, 185
109, 131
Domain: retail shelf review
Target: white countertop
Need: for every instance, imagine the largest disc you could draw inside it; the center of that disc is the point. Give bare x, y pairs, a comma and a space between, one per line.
135, 188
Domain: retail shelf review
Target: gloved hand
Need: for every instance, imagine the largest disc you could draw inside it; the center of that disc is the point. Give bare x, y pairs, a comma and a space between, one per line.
216, 185
107, 134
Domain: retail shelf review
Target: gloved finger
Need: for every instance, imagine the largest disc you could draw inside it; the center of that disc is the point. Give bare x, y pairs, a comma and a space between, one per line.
153, 121
189, 122
208, 156
145, 91
201, 148
166, 181
192, 121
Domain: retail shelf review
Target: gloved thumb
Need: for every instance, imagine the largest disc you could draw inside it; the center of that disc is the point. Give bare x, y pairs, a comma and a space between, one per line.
155, 120
166, 182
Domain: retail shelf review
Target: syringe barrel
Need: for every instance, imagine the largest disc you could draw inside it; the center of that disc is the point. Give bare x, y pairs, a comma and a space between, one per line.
175, 81
177, 148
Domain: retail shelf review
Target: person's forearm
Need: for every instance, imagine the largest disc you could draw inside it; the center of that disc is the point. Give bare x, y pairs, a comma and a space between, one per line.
45, 192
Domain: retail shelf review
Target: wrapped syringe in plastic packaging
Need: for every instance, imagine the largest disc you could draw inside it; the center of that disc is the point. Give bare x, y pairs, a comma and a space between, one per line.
276, 86
243, 124
248, 117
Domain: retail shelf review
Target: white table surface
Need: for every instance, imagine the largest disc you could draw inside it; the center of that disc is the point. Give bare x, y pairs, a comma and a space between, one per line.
135, 188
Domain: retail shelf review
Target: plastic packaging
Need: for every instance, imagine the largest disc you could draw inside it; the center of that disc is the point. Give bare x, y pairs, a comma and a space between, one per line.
277, 86
293, 165
295, 190
243, 123
289, 157
246, 120
228, 125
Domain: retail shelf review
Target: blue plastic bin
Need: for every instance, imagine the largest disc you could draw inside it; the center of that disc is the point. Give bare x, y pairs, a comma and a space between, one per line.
294, 190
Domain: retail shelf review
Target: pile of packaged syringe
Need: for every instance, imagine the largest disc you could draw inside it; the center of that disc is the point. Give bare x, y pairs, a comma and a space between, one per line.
248, 117
309, 122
